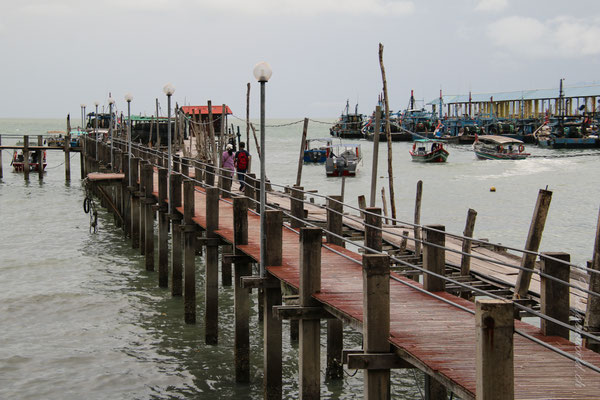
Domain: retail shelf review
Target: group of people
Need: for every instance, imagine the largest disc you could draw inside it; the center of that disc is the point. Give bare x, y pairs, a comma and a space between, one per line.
238, 161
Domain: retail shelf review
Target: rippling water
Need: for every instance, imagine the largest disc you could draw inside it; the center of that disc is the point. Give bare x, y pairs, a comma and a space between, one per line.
81, 318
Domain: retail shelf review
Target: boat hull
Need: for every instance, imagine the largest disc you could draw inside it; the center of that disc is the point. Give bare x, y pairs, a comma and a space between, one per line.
315, 156
570, 143
496, 156
20, 166
436, 156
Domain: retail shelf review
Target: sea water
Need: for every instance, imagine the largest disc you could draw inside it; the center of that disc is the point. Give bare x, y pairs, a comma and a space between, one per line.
81, 318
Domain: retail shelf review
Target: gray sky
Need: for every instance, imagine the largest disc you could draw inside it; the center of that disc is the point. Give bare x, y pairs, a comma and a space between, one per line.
57, 54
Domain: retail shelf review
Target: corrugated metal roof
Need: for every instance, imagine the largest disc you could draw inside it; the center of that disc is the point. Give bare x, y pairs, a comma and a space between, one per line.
204, 110
535, 94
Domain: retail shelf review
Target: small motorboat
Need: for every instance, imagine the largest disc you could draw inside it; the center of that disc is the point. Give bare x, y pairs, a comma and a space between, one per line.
343, 160
429, 151
317, 150
495, 147
18, 161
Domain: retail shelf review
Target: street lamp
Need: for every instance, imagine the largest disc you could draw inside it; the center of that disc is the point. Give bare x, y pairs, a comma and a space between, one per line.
262, 73
82, 116
111, 101
128, 98
96, 128
169, 90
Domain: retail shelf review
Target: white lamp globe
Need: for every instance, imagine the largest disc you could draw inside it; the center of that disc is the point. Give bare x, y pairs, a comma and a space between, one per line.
262, 71
169, 89
128, 97
111, 100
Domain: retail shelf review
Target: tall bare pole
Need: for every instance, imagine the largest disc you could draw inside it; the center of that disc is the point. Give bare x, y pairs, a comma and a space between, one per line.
157, 126
388, 136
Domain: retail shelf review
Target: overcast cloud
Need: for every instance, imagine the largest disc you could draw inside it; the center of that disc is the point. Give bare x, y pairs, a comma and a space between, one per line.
58, 54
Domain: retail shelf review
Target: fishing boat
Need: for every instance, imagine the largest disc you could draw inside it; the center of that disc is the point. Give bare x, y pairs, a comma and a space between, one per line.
494, 147
317, 150
343, 160
429, 151
348, 125
18, 161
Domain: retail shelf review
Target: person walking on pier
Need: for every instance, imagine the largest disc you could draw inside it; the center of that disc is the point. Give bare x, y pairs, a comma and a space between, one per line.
228, 161
242, 160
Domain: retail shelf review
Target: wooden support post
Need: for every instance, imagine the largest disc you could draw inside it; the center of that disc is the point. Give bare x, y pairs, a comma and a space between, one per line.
163, 230
374, 166
40, 158
302, 148
533, 242
211, 288
373, 234
495, 329
362, 204
592, 312
226, 266
210, 175
185, 167
198, 175
310, 283
465, 263
226, 183
26, 166
149, 216
241, 350
250, 192
554, 296
125, 199
434, 258
135, 203
256, 183
272, 297
82, 157
335, 210
67, 149
376, 321
142, 193
297, 207
1, 173
417, 220
176, 256
189, 252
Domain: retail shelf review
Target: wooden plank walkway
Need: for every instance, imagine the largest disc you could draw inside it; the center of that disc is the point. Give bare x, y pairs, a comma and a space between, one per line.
435, 336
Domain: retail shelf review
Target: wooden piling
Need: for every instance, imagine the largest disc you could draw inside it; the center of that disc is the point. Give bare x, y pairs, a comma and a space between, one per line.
335, 209
272, 297
189, 252
226, 269
374, 166
495, 329
434, 258
417, 218
209, 175
40, 157
592, 312
211, 282
465, 263
142, 195
242, 268
302, 147
376, 322
26, 167
534, 237
373, 233
135, 203
149, 216
554, 296
310, 283
297, 207
67, 150
163, 230
175, 182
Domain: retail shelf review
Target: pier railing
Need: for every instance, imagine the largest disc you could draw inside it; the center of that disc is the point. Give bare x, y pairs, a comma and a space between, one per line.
436, 260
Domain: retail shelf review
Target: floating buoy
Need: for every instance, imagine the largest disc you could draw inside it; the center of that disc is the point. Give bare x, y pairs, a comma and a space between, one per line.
493, 189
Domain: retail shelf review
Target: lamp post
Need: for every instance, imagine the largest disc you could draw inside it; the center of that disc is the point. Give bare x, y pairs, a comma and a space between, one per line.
169, 90
111, 101
96, 128
82, 116
262, 73
128, 98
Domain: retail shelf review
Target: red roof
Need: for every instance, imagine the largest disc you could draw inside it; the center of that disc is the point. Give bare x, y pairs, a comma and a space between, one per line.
204, 110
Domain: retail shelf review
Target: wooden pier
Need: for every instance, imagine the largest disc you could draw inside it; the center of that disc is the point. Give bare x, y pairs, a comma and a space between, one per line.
474, 350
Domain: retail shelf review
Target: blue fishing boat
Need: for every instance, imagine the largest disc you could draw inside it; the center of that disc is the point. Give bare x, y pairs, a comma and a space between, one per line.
317, 150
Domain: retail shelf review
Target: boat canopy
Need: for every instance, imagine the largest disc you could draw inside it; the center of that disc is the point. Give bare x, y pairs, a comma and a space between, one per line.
429, 140
498, 139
